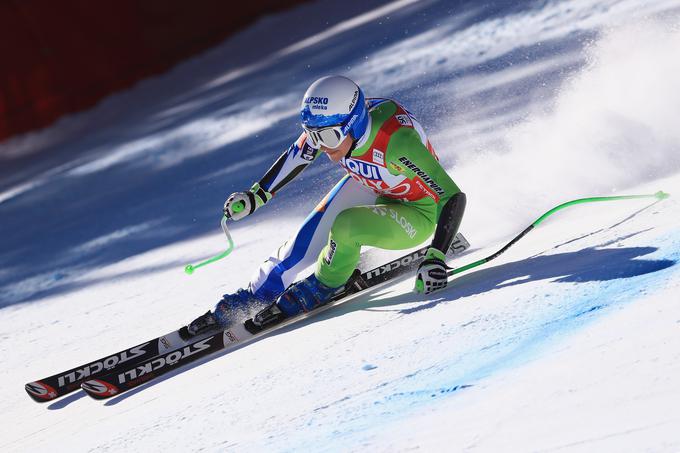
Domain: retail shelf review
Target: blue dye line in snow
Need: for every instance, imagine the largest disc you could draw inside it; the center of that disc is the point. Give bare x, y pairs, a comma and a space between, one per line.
512, 347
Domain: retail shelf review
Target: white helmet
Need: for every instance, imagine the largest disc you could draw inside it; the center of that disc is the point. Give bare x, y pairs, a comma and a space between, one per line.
332, 108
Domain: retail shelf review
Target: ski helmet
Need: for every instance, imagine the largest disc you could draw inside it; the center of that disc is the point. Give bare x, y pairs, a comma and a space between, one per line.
333, 107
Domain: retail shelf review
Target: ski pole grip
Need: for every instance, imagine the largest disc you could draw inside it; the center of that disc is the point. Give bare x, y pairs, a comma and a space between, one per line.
238, 207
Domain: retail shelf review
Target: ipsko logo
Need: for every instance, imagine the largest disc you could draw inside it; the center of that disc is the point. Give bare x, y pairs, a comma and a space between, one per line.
317, 103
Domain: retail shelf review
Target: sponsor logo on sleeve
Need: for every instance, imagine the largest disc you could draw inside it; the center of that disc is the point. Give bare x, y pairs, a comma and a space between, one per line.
404, 120
424, 176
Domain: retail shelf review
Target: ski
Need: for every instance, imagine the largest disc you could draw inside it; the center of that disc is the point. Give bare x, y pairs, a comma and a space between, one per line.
65, 382
60, 384
132, 375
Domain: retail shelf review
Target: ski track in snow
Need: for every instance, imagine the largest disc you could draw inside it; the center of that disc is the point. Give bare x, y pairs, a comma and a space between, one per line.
568, 342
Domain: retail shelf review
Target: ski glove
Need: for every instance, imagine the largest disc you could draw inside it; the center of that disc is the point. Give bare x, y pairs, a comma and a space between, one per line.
242, 204
431, 274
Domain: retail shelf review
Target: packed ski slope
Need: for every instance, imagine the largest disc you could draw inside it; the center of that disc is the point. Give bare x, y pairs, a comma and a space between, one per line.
569, 341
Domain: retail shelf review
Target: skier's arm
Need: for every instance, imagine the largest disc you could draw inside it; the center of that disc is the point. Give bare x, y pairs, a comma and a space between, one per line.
432, 272
414, 156
289, 165
447, 226
414, 159
286, 168
407, 153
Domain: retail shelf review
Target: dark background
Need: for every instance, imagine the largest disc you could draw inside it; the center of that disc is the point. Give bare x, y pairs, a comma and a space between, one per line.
63, 56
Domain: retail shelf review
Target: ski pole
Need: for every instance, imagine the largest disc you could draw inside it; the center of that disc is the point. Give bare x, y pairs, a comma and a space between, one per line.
190, 268
660, 195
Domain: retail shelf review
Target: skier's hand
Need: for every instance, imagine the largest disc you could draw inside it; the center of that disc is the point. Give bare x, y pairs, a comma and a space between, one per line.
431, 276
239, 205
242, 204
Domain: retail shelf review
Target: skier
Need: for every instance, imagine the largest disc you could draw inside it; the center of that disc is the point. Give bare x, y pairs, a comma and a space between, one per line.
394, 194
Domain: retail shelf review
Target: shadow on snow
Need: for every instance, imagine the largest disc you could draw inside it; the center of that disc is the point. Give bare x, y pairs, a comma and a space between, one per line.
587, 265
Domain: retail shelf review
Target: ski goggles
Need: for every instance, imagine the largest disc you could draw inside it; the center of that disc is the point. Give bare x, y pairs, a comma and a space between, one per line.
330, 137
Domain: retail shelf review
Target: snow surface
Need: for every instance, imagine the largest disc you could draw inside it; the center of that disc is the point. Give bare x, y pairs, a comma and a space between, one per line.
568, 342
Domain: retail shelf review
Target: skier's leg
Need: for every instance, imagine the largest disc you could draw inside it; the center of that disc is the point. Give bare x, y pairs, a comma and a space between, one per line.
282, 268
391, 226
284, 265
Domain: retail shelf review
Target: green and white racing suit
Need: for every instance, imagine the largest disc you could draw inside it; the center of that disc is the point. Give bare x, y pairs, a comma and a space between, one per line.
391, 198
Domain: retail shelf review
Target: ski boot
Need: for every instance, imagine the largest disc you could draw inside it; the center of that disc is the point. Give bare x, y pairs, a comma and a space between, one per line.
225, 313
302, 296
305, 295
